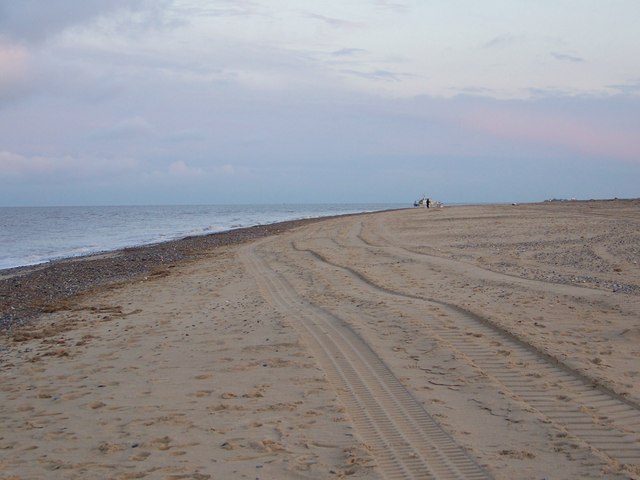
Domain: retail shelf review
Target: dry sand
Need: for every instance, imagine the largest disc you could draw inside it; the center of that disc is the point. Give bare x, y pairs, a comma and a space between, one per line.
464, 342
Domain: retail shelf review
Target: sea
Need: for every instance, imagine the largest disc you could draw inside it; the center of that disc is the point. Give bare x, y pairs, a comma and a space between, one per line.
35, 235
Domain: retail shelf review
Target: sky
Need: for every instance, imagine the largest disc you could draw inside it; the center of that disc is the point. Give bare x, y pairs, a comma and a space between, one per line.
131, 102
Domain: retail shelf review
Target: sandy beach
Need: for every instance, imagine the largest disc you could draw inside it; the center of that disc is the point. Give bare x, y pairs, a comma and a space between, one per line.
466, 342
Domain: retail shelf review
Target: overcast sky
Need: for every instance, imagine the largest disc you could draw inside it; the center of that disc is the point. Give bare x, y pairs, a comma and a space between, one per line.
241, 101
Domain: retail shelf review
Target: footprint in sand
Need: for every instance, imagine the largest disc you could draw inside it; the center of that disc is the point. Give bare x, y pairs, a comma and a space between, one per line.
140, 456
160, 443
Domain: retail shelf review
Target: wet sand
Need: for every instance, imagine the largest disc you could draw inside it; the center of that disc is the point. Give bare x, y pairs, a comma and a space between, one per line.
463, 342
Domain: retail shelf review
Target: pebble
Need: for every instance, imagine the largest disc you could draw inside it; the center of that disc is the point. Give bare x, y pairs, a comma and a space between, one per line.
28, 292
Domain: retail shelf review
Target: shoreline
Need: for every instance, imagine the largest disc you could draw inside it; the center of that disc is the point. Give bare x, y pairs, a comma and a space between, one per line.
27, 292
31, 290
39, 235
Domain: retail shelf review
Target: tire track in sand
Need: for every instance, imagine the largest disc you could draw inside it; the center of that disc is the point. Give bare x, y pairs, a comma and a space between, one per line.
606, 421
405, 440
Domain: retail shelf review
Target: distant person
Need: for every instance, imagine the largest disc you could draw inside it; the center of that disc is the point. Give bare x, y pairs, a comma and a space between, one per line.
428, 202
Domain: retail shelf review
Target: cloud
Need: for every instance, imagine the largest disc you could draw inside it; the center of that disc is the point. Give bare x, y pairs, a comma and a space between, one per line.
186, 135
591, 137
181, 169
127, 129
231, 170
379, 75
30, 63
348, 52
565, 57
32, 21
14, 61
222, 8
183, 172
251, 84
334, 22
396, 7
630, 88
501, 41
17, 165
475, 91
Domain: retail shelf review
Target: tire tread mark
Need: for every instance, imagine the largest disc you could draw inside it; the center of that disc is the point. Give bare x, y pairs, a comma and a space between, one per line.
406, 441
580, 390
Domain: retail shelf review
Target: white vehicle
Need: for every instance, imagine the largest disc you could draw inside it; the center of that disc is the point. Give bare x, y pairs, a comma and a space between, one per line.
426, 202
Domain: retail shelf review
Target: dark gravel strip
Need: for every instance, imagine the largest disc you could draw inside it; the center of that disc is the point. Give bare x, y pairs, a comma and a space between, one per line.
28, 292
